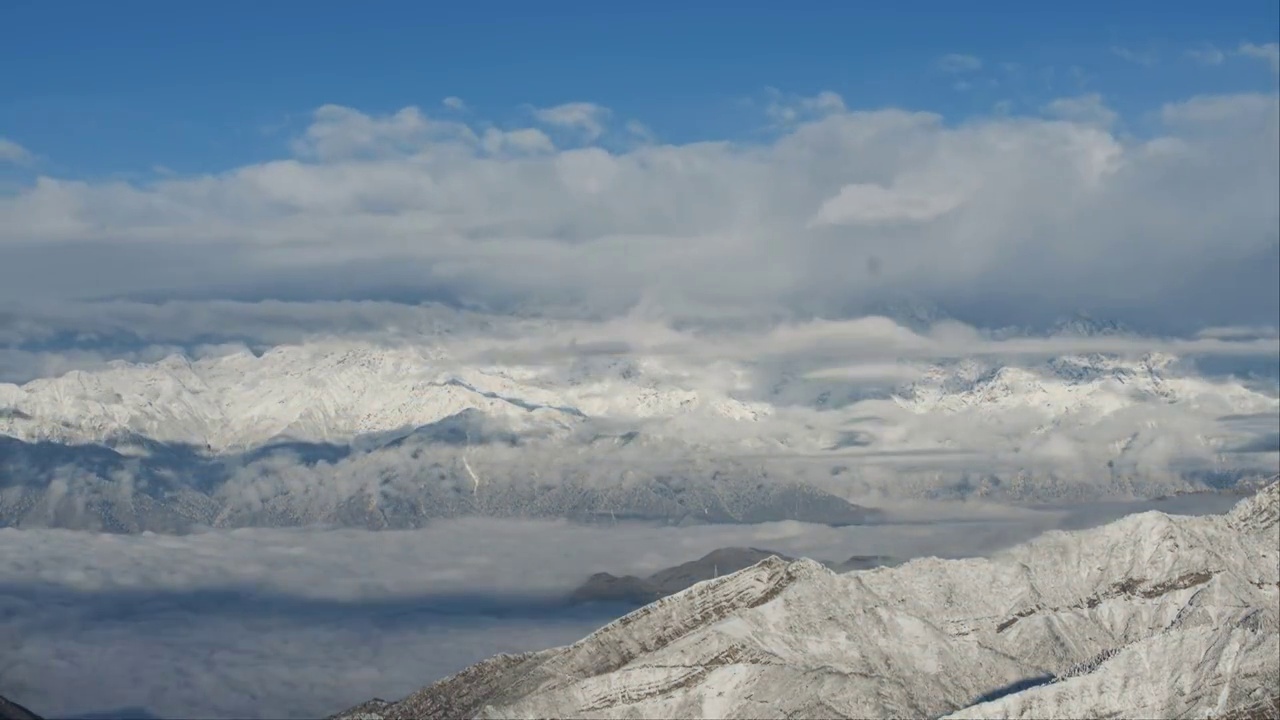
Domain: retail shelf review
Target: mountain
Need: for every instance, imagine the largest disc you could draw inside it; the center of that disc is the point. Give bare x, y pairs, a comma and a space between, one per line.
10, 710
393, 436
404, 484
603, 587
1150, 616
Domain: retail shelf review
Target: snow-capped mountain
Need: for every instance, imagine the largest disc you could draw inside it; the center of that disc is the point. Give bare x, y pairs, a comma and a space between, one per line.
389, 436
1150, 616
336, 392
324, 392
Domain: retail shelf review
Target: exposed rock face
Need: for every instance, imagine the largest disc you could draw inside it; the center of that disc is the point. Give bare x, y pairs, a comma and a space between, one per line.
1150, 616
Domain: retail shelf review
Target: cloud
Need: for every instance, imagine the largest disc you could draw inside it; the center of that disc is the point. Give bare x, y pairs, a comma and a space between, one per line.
786, 109
586, 117
957, 64
12, 152
454, 103
1269, 52
340, 133
1002, 219
1087, 109
525, 140
1207, 55
241, 624
871, 204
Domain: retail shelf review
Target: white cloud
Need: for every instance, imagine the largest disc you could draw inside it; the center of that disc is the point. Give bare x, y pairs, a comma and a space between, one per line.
957, 63
525, 140
640, 131
12, 152
454, 103
342, 134
871, 204
1207, 55
1088, 109
584, 116
789, 109
1269, 52
1005, 214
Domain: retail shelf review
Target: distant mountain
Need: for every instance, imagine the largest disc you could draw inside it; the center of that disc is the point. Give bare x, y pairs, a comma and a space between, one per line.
1151, 616
603, 587
386, 437
404, 484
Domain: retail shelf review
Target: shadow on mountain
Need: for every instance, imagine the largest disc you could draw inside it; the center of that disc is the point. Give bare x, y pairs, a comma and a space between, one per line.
1014, 687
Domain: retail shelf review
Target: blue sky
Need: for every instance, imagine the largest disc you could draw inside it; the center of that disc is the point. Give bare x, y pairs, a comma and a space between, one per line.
97, 88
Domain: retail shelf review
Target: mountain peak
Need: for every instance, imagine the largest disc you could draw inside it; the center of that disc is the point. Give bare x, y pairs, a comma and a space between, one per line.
1260, 512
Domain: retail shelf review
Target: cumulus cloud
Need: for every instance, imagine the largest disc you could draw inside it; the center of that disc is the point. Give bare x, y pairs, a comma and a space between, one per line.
525, 140
277, 624
586, 117
1003, 219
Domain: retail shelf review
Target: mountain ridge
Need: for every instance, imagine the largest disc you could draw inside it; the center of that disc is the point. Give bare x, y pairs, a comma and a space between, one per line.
383, 437
1081, 615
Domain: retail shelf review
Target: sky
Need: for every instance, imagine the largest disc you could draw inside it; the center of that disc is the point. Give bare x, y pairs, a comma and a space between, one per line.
100, 89
1013, 162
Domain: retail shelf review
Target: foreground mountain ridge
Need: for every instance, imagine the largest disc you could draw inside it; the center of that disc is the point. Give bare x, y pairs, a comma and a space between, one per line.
1150, 616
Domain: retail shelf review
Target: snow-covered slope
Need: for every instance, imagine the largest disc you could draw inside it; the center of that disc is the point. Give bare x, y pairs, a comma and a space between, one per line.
1150, 616
314, 393
339, 391
320, 392
387, 436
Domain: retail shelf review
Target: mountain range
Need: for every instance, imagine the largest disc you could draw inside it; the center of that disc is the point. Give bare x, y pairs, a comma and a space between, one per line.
384, 436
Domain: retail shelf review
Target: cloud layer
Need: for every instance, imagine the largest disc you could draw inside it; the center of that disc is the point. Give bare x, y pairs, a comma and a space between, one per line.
274, 624
1002, 218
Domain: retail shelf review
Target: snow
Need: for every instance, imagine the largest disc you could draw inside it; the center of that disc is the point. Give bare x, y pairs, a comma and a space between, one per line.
335, 391
1151, 616
319, 392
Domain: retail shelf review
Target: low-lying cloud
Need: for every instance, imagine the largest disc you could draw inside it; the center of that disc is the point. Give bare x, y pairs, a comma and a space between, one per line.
281, 623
